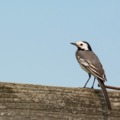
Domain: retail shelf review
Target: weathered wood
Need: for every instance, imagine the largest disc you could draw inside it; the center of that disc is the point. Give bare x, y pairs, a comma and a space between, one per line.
35, 102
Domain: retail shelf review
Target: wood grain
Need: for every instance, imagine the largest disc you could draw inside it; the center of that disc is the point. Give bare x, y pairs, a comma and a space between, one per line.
36, 102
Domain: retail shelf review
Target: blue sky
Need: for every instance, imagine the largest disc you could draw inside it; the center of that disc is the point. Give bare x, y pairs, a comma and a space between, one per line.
35, 37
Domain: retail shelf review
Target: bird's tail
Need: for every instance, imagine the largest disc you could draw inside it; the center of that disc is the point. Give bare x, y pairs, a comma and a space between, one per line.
101, 83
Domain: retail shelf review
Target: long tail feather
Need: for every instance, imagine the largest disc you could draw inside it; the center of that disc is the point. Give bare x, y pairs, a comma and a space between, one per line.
101, 83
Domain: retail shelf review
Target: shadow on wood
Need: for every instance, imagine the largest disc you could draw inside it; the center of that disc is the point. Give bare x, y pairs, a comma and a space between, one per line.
35, 102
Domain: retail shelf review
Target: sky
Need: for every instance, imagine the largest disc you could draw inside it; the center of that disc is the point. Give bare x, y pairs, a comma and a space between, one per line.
35, 37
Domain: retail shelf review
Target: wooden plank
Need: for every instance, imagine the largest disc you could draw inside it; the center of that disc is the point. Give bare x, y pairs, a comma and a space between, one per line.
36, 102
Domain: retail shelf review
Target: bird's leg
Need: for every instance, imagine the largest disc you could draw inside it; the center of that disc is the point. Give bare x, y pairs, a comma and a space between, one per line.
93, 83
87, 80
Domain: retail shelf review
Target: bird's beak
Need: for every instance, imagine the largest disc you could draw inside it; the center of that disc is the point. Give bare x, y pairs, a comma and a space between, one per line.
74, 44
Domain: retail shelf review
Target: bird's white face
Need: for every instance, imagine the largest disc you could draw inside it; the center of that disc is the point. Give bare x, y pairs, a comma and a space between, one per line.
82, 45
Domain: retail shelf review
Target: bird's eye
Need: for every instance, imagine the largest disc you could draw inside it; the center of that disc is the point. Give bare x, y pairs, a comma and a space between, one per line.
81, 44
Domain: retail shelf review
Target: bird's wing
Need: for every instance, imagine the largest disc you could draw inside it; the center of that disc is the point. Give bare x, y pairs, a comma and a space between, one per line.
91, 63
91, 68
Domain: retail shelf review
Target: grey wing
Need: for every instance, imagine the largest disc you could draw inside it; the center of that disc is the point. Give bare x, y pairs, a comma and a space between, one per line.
91, 63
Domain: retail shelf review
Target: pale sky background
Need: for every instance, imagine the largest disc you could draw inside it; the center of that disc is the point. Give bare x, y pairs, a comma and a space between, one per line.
35, 37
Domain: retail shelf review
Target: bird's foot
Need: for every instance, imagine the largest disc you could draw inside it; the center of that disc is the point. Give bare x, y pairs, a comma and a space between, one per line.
92, 87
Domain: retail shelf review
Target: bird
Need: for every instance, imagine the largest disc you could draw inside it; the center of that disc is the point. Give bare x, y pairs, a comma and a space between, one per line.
89, 62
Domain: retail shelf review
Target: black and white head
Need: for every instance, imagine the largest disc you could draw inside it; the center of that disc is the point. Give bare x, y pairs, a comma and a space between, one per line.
82, 45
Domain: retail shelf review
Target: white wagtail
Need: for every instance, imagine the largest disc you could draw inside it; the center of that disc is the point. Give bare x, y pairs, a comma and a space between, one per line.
91, 64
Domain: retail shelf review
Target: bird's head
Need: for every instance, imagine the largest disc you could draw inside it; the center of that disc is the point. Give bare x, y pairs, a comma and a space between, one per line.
82, 45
